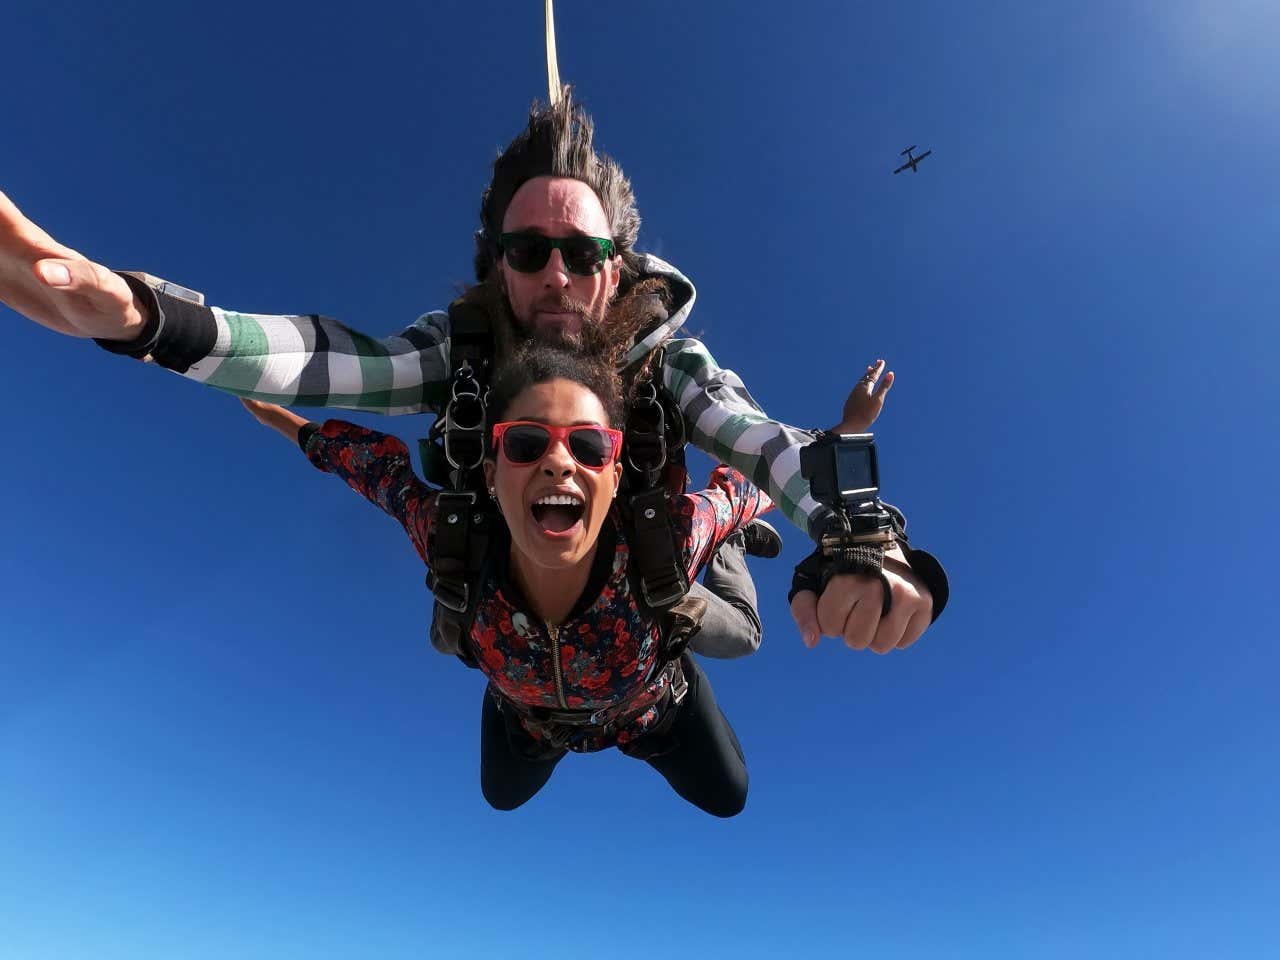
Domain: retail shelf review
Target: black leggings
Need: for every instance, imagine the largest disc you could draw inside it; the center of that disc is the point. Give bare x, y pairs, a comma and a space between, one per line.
699, 755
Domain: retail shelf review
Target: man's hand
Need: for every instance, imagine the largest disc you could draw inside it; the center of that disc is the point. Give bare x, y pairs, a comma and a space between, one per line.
60, 289
865, 401
850, 608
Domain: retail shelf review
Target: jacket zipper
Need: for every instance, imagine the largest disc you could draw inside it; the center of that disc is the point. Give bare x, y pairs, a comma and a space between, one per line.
554, 633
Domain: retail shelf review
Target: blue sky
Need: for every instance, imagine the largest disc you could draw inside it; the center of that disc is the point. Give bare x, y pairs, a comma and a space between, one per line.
222, 729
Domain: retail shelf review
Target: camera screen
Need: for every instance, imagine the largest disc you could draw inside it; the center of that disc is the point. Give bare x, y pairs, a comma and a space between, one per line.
855, 467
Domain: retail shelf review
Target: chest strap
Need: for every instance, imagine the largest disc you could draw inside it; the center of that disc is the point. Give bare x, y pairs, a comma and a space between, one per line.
464, 516
659, 573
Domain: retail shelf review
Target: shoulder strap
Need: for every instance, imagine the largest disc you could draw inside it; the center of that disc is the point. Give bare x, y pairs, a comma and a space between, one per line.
660, 575
457, 563
675, 476
471, 347
464, 515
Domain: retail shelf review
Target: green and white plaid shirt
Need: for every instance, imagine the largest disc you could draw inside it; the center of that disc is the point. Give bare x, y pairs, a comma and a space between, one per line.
313, 361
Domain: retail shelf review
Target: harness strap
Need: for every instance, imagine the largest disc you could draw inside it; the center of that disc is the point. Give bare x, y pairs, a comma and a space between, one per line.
463, 517
470, 335
460, 542
448, 576
660, 577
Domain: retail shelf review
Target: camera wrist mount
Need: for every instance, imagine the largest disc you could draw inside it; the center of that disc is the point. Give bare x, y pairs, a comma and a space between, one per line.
845, 556
844, 476
856, 543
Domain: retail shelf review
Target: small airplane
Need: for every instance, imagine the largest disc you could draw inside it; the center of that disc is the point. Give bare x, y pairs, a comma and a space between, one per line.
911, 161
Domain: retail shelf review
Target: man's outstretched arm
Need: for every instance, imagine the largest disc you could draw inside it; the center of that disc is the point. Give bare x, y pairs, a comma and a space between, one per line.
304, 360
726, 423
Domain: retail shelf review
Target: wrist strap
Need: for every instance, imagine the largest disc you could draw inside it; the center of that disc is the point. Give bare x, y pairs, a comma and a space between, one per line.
863, 558
816, 570
141, 345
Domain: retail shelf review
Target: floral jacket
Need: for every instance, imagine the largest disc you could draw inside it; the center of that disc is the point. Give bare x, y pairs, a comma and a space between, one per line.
607, 649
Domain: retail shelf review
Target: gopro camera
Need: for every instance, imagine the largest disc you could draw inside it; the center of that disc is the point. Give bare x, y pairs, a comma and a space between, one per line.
841, 469
844, 475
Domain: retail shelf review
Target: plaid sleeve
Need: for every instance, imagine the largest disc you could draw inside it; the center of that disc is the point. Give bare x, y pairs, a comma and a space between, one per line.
728, 425
308, 361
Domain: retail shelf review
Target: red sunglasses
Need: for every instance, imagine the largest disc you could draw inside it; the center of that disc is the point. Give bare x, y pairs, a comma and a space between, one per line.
524, 442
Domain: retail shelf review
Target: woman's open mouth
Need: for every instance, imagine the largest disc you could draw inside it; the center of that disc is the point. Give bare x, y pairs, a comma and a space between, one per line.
557, 515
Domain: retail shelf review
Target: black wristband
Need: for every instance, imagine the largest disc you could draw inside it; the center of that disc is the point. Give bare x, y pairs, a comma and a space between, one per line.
807, 576
145, 343
305, 433
926, 566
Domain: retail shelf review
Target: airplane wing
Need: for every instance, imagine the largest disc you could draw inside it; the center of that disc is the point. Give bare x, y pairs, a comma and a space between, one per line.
923, 155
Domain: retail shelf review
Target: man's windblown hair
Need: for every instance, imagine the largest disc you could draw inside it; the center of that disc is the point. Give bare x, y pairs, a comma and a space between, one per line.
556, 142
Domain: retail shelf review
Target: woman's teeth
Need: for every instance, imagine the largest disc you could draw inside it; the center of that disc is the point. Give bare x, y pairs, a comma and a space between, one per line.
557, 512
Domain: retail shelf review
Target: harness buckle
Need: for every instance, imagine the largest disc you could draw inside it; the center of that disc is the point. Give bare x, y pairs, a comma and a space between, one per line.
451, 594
457, 499
679, 685
663, 594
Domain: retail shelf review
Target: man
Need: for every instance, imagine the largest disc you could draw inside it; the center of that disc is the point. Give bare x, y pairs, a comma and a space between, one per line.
555, 250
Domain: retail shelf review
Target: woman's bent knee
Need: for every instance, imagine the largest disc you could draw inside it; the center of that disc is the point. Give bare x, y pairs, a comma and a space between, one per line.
729, 802
501, 800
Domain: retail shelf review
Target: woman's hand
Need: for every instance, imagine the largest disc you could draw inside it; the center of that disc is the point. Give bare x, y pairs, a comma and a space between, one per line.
285, 422
866, 400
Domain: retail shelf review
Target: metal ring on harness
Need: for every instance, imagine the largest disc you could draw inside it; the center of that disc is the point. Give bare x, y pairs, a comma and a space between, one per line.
646, 447
464, 422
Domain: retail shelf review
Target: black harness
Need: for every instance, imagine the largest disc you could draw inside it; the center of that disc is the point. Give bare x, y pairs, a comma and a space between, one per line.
452, 457
462, 528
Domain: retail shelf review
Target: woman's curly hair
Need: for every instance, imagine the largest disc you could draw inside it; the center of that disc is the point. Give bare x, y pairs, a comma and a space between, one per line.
534, 362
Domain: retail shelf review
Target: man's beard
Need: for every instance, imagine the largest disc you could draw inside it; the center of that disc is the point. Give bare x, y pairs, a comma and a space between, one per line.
610, 330
560, 335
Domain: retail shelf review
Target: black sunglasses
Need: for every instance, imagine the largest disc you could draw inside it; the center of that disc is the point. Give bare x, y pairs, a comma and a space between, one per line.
529, 252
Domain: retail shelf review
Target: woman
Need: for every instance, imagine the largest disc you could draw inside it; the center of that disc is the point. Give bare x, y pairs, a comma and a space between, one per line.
558, 630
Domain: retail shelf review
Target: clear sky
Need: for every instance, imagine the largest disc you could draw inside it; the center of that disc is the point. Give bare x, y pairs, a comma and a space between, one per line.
223, 732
